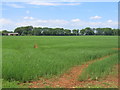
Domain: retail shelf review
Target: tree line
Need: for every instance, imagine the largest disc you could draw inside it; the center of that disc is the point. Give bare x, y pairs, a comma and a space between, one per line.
38, 31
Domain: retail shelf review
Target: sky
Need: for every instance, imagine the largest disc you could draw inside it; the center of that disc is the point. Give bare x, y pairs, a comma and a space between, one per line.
69, 15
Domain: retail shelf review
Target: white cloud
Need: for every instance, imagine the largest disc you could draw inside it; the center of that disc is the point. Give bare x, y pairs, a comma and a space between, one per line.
5, 21
70, 24
44, 23
15, 5
96, 17
27, 17
75, 20
104, 24
109, 21
52, 3
6, 24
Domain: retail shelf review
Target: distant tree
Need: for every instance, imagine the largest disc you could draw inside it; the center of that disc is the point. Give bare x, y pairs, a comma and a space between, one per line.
67, 32
99, 31
30, 30
37, 31
53, 31
19, 30
50, 31
107, 31
82, 32
75, 31
46, 31
5, 31
27, 30
59, 31
115, 31
89, 31
118, 32
0, 33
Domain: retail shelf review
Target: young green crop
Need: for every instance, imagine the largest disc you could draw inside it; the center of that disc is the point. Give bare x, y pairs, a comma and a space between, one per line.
100, 68
13, 84
54, 55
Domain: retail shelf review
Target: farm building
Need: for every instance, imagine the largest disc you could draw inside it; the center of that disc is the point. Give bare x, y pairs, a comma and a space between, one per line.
12, 34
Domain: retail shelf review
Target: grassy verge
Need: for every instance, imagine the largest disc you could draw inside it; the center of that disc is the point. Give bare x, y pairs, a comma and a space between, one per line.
12, 84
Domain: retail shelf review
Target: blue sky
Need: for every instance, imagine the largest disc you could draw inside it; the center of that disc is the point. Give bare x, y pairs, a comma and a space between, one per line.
71, 15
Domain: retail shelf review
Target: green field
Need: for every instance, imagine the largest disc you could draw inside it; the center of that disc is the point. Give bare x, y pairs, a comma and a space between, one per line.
100, 69
54, 55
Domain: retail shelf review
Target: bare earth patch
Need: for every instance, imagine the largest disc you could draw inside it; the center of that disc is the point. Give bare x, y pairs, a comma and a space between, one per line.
116, 48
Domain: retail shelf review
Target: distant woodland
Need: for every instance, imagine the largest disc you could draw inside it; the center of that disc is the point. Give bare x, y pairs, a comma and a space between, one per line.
39, 31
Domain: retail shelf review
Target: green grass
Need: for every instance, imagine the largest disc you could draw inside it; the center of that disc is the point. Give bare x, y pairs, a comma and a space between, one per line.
54, 55
13, 84
100, 69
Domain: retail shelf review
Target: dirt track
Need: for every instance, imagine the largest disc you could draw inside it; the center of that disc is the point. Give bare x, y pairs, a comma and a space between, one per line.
70, 79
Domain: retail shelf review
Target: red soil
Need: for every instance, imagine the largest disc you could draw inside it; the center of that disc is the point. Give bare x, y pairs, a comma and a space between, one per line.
116, 48
70, 79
